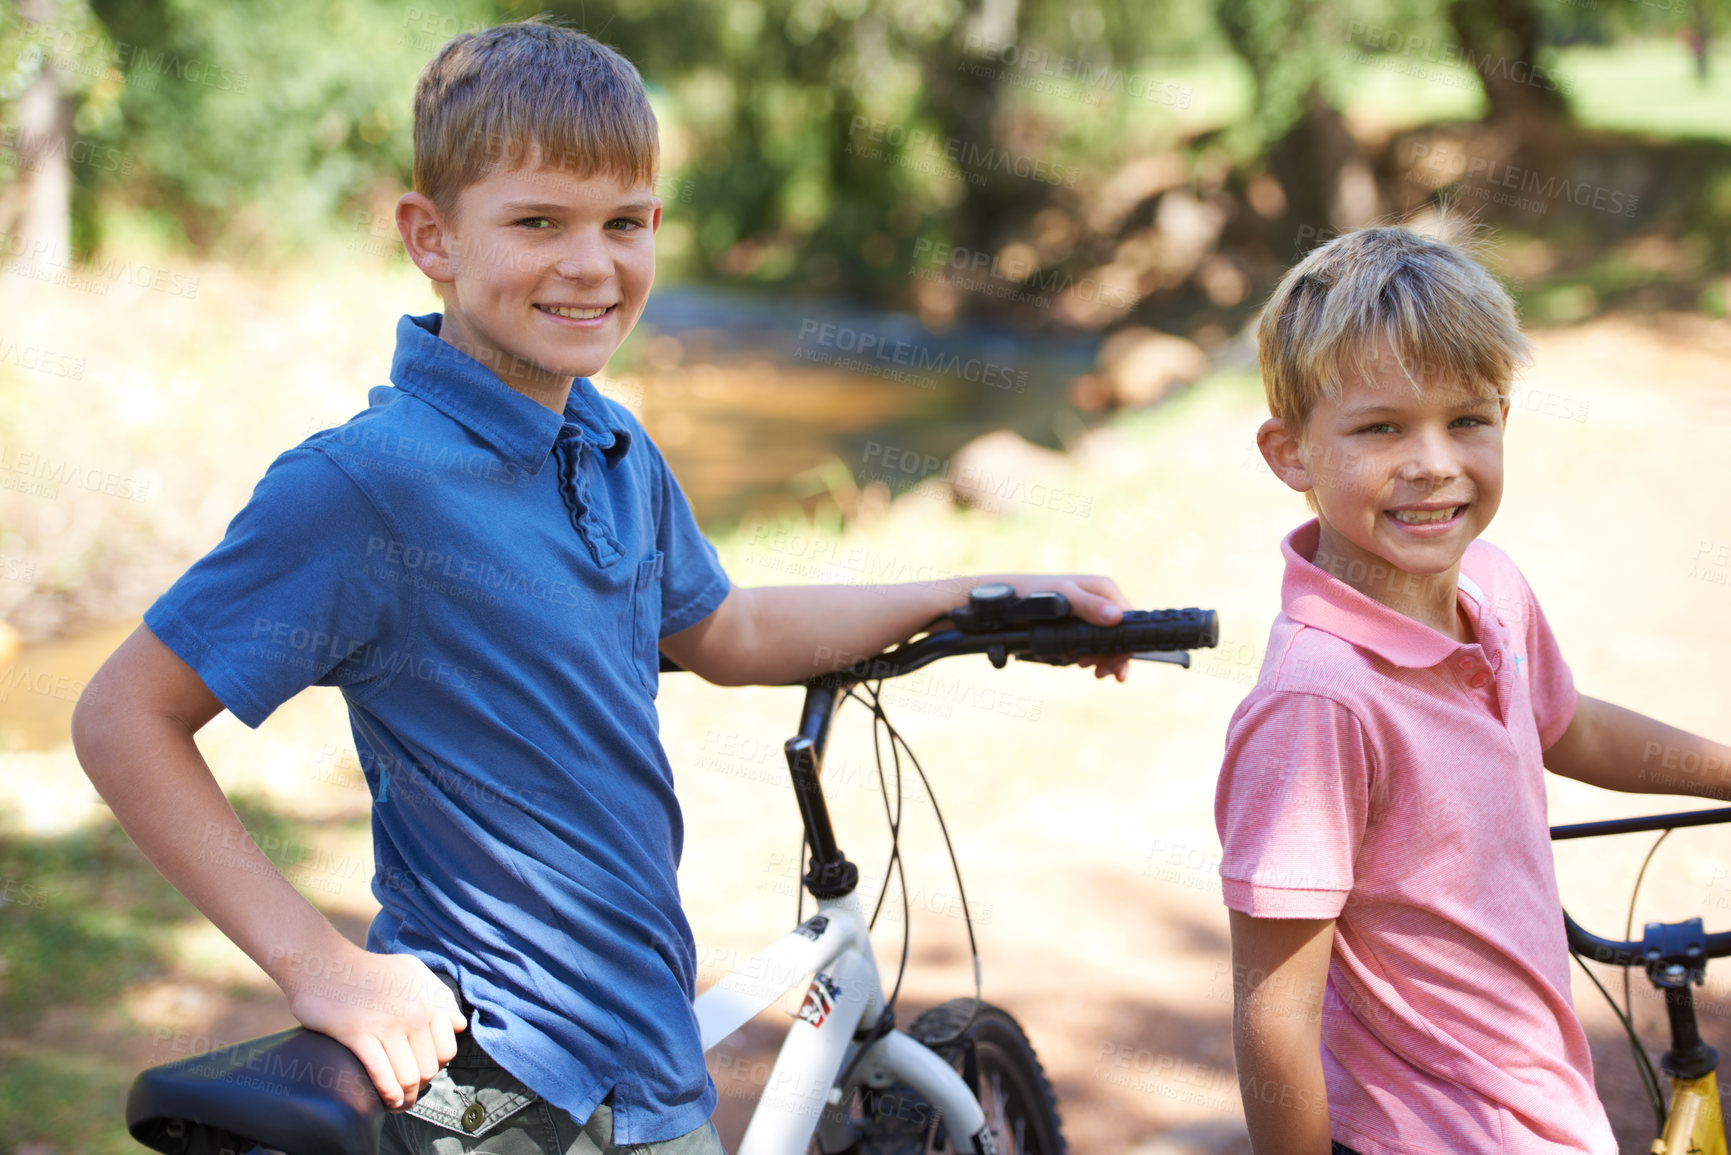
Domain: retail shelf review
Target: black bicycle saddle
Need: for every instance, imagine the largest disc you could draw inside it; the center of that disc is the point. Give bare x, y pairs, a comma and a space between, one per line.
296, 1091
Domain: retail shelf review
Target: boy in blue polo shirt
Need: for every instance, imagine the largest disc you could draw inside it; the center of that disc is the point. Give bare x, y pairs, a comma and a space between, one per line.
487, 561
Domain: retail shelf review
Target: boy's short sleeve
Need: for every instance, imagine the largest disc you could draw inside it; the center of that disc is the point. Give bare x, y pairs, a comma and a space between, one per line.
285, 600
1549, 680
693, 583
1291, 806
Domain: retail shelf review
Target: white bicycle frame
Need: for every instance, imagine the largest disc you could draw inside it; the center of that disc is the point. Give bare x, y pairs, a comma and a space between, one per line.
845, 991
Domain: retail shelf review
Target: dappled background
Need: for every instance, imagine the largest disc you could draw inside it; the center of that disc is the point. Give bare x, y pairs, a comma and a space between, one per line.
944, 288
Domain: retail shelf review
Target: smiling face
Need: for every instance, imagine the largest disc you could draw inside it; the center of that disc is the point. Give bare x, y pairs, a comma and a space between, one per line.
543, 272
1404, 479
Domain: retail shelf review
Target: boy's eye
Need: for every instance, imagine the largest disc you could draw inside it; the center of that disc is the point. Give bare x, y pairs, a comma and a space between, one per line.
536, 224
1379, 427
1469, 422
624, 224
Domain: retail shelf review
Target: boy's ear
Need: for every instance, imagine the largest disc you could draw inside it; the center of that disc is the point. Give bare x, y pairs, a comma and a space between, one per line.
427, 236
1280, 449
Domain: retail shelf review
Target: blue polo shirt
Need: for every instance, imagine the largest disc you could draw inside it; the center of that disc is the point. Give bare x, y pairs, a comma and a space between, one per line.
486, 581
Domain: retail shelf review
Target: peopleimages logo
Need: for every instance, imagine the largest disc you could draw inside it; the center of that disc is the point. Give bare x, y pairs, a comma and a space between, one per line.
81, 52
1003, 60
1409, 51
1019, 279
296, 645
871, 351
1434, 167
469, 578
24, 147
868, 136
81, 269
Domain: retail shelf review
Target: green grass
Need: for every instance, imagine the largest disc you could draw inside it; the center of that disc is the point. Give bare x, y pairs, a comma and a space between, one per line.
1400, 92
84, 916
68, 1101
1649, 86
1642, 86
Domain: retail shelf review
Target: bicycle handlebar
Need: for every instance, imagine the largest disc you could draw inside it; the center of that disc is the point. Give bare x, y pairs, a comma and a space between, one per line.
1056, 643
1688, 948
1636, 825
1683, 944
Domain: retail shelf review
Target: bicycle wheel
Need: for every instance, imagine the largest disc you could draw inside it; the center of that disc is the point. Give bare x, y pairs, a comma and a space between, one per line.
992, 1052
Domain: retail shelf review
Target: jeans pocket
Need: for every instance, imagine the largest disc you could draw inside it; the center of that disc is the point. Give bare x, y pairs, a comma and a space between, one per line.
473, 1105
646, 623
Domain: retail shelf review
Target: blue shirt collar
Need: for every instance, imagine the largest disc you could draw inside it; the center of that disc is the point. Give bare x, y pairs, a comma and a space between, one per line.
522, 430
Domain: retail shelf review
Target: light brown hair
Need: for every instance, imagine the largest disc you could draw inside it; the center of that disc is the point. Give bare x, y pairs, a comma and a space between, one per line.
1386, 290
530, 92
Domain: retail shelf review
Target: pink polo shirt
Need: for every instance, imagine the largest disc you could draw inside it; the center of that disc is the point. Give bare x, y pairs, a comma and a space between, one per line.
1391, 778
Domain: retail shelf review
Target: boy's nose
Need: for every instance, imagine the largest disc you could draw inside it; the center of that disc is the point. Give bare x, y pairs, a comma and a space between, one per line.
583, 259
1433, 457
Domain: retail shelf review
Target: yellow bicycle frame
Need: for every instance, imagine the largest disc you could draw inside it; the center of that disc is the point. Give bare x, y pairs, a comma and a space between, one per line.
1695, 1125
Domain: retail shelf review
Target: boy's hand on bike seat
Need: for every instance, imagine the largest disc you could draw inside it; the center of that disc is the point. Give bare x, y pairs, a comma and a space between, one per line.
392, 1011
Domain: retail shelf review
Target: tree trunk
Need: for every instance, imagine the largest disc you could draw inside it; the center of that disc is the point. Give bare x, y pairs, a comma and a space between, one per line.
1329, 187
963, 95
1499, 40
44, 204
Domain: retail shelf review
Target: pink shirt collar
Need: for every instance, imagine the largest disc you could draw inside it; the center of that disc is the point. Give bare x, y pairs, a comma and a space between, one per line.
1313, 597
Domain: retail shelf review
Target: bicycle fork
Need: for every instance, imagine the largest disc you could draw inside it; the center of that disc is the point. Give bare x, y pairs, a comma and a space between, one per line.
1694, 1125
844, 992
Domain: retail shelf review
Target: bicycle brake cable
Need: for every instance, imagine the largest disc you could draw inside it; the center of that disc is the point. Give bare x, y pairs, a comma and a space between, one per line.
1644, 1065
880, 719
893, 818
1629, 923
1643, 1061
1625, 1014
898, 745
896, 740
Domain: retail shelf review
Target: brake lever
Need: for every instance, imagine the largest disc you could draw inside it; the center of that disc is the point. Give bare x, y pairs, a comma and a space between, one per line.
1176, 657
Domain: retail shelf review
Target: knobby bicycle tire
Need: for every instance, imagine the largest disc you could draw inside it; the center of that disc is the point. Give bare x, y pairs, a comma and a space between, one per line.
1003, 1072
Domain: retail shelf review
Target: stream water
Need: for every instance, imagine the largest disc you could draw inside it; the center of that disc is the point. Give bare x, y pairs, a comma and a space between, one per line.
748, 396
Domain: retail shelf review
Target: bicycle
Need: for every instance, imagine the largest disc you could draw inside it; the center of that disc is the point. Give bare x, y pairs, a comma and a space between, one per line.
962, 1078
1675, 957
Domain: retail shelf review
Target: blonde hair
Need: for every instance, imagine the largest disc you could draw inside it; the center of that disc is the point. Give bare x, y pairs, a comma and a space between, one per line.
524, 92
1383, 291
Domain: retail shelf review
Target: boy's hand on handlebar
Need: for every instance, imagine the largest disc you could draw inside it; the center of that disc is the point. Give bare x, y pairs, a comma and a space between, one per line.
392, 1011
1095, 599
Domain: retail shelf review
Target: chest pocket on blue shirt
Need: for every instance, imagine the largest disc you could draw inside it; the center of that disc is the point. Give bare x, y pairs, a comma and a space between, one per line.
646, 624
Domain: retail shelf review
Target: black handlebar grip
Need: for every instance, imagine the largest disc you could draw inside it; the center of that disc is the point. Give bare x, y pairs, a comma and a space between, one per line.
1187, 629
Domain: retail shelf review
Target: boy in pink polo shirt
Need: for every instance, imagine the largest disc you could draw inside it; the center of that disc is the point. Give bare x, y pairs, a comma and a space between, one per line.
1400, 976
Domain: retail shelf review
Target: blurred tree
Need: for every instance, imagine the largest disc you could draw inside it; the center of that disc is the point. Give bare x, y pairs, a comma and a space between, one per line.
820, 135
810, 144
1500, 40
258, 121
53, 58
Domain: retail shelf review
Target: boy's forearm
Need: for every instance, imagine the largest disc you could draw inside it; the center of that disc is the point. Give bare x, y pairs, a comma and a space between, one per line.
781, 634
150, 772
1279, 983
1618, 749
1280, 1079
133, 731
798, 632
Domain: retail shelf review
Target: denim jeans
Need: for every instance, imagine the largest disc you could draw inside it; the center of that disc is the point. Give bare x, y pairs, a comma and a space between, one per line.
476, 1107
